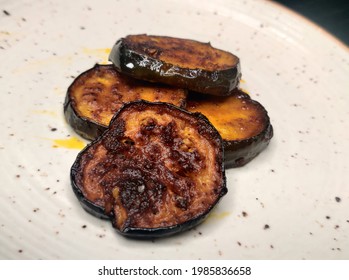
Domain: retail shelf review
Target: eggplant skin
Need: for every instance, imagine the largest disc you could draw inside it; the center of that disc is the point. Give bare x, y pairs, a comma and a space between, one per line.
92, 208
168, 176
84, 127
143, 233
127, 58
239, 153
243, 123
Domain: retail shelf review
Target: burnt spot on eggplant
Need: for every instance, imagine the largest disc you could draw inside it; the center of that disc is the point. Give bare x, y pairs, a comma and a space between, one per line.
242, 122
157, 170
178, 62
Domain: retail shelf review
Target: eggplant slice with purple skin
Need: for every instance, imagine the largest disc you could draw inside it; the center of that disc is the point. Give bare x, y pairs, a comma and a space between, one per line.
182, 63
156, 171
97, 94
242, 122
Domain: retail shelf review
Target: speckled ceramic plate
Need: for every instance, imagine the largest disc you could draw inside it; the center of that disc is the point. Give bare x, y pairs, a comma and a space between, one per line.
291, 202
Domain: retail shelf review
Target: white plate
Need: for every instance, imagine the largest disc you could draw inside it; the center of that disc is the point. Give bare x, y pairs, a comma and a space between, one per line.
298, 186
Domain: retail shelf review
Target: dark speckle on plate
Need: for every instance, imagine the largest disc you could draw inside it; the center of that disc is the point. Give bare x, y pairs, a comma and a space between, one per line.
338, 249
261, 203
338, 199
266, 226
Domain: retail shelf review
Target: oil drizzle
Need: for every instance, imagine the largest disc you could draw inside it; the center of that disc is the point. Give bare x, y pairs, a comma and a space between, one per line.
242, 81
68, 143
45, 112
217, 215
102, 53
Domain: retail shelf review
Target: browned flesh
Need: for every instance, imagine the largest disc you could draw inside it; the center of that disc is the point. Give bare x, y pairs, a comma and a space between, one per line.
236, 117
156, 166
183, 53
99, 92
243, 123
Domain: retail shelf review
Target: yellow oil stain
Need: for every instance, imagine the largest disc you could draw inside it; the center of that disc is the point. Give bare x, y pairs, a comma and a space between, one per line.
68, 143
59, 91
101, 53
45, 112
245, 91
217, 216
37, 64
242, 81
6, 33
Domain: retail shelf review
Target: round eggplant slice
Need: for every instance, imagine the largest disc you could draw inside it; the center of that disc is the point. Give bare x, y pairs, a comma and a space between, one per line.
95, 95
157, 170
178, 62
243, 123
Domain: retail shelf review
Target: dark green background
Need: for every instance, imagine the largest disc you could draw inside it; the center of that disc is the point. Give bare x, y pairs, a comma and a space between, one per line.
332, 15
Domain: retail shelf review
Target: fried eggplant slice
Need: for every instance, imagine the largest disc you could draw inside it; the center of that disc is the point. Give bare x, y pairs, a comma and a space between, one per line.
178, 62
242, 122
157, 170
97, 94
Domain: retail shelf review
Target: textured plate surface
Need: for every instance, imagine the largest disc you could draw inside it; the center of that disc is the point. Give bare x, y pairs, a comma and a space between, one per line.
292, 202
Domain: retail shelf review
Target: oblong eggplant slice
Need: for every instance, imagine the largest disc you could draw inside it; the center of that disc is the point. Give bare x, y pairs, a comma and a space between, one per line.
178, 62
242, 122
95, 95
157, 170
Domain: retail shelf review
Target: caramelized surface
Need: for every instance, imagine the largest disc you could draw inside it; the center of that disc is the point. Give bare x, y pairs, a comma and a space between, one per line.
236, 117
182, 52
157, 166
99, 92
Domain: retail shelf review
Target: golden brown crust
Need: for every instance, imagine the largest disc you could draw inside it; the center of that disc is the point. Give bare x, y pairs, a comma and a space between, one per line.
184, 53
243, 123
236, 117
178, 62
155, 167
99, 92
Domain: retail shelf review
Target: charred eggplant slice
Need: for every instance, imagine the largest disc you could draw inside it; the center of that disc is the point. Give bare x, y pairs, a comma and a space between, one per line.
95, 95
178, 62
157, 170
242, 122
